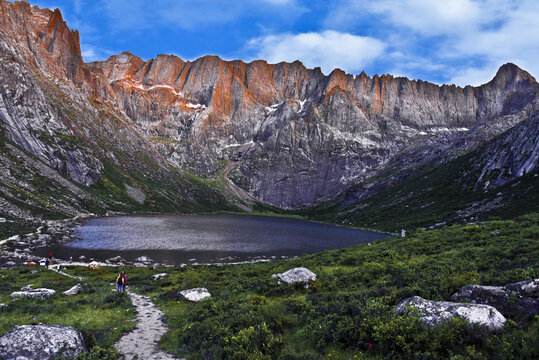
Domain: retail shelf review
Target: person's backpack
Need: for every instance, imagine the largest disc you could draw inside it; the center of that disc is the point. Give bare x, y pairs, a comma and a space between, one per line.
123, 280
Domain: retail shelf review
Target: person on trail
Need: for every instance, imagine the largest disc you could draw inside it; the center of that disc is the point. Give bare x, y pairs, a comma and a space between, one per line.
50, 255
124, 280
119, 283
46, 263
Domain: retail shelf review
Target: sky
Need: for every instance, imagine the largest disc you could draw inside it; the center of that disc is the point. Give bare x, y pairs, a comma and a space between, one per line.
460, 42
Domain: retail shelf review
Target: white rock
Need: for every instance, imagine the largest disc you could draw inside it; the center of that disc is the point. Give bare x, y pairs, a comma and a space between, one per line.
143, 259
73, 291
159, 276
40, 293
44, 342
299, 274
195, 294
434, 312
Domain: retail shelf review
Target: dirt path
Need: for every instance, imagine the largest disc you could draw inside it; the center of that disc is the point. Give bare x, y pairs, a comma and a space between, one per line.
142, 342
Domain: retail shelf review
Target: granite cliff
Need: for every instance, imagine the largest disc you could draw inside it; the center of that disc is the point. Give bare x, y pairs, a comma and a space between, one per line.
208, 130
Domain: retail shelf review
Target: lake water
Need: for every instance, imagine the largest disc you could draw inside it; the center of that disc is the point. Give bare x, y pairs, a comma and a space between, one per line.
176, 239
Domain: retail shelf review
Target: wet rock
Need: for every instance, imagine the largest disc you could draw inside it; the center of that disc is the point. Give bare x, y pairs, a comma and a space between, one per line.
434, 312
44, 342
195, 294
73, 291
40, 293
299, 274
511, 299
159, 276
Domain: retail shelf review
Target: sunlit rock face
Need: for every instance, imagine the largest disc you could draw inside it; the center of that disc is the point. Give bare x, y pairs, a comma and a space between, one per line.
286, 135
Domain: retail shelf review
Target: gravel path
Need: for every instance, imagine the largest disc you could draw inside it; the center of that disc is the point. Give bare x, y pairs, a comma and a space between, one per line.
142, 342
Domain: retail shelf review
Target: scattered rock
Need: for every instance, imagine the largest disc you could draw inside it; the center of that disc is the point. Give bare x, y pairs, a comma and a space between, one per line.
159, 276
73, 291
27, 287
45, 342
434, 312
2, 306
10, 263
495, 233
82, 258
511, 299
195, 294
40, 293
299, 274
34, 272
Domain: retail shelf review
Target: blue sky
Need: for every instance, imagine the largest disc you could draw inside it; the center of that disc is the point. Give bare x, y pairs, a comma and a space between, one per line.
442, 41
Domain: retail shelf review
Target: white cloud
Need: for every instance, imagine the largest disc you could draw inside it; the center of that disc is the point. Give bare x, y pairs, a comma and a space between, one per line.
93, 53
328, 49
467, 39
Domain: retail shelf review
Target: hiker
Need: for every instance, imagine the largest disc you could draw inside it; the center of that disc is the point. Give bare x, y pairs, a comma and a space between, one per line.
50, 255
119, 283
71, 259
124, 280
46, 263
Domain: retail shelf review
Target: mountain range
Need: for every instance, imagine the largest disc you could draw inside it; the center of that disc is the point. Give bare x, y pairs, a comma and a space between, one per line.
170, 135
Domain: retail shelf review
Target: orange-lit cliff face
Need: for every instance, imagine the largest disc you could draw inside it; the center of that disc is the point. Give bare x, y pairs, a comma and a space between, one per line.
290, 136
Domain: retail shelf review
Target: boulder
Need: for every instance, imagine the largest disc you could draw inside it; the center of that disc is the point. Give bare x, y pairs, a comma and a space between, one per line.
511, 299
195, 294
116, 259
143, 259
73, 291
44, 342
299, 274
434, 312
159, 276
40, 293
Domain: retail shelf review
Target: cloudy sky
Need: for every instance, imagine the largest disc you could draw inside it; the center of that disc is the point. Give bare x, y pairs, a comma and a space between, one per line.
442, 41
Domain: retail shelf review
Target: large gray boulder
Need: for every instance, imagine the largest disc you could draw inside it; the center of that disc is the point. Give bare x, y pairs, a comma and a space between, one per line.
73, 291
299, 274
434, 312
43, 342
40, 293
195, 294
511, 299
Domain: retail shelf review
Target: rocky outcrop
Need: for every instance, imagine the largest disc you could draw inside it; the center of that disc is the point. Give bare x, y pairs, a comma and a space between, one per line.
196, 294
299, 274
512, 299
73, 291
433, 313
280, 133
40, 293
46, 342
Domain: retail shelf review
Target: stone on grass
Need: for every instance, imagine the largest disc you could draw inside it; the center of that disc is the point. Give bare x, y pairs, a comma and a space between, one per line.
73, 291
299, 274
159, 276
44, 342
40, 293
143, 259
511, 299
195, 294
116, 259
433, 313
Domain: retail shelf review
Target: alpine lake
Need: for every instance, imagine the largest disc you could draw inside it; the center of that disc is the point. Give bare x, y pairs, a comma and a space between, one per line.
189, 239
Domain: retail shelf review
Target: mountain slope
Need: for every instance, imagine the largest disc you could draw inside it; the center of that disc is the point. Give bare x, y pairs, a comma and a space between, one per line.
500, 179
173, 135
63, 151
